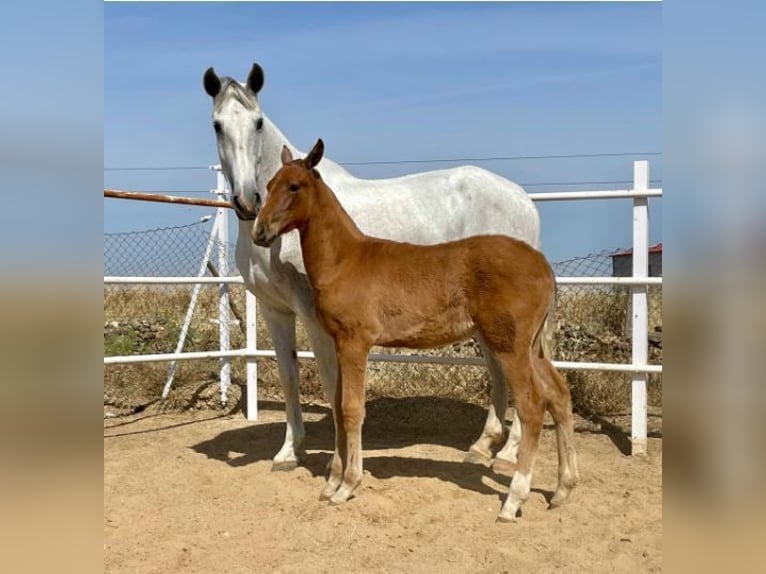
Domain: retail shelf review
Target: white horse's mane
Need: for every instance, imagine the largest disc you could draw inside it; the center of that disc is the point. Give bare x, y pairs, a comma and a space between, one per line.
231, 88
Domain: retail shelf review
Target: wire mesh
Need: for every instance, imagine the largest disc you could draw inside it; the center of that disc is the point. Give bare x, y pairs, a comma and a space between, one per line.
162, 252
591, 324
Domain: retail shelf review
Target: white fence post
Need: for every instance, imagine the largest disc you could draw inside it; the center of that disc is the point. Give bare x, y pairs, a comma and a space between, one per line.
251, 365
639, 308
223, 289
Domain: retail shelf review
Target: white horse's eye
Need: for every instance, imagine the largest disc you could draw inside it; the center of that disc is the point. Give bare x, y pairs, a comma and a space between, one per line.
217, 127
259, 124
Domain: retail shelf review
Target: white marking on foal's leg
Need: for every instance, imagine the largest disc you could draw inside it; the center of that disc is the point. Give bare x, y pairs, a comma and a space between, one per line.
334, 479
518, 494
352, 475
506, 458
480, 452
494, 429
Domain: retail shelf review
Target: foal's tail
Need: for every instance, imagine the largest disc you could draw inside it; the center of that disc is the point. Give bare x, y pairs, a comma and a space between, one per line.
544, 338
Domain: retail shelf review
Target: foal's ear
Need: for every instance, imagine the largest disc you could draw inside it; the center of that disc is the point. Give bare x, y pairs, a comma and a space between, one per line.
211, 82
287, 155
315, 155
255, 78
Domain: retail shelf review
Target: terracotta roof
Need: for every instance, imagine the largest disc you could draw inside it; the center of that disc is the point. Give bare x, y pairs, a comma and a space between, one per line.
652, 249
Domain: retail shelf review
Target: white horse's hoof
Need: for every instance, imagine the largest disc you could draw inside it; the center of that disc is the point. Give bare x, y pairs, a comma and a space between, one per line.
476, 457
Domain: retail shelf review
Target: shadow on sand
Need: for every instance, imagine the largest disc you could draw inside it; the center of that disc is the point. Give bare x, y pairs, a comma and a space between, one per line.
389, 424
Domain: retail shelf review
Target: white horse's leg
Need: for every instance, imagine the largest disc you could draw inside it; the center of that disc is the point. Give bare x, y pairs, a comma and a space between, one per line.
494, 427
324, 351
327, 365
281, 325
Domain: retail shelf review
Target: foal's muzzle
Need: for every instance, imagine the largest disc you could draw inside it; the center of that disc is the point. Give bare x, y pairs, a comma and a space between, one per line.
261, 236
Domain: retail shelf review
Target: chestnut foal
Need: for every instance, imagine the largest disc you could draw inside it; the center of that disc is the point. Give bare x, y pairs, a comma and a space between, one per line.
377, 292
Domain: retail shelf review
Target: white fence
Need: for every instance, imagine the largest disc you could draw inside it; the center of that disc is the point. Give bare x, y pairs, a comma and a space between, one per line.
638, 283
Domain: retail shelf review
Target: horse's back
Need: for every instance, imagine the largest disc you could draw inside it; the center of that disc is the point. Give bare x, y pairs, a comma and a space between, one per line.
438, 206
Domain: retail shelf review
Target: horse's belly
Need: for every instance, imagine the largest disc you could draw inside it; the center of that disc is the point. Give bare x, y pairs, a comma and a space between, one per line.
426, 331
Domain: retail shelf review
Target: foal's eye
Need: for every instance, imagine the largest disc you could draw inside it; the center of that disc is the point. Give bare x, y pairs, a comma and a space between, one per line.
294, 187
259, 124
217, 127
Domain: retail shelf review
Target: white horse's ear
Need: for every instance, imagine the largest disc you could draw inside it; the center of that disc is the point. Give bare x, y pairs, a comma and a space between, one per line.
315, 155
287, 155
255, 78
211, 82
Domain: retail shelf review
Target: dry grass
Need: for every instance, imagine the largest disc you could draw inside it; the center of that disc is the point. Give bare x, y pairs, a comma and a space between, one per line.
592, 325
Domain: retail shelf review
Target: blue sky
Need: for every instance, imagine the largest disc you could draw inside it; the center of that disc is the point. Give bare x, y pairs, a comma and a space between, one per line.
395, 82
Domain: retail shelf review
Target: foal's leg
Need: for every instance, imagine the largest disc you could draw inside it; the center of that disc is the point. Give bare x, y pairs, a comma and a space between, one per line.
352, 362
494, 428
506, 458
480, 451
530, 405
560, 407
281, 326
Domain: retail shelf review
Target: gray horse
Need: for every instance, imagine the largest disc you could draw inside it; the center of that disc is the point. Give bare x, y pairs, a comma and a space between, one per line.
424, 208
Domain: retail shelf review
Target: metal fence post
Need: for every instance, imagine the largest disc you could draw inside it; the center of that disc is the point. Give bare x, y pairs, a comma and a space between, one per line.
223, 289
192, 305
639, 308
251, 365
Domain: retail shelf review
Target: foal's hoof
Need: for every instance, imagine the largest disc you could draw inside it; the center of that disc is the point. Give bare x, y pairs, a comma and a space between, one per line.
559, 499
476, 457
284, 466
503, 466
340, 497
327, 493
506, 518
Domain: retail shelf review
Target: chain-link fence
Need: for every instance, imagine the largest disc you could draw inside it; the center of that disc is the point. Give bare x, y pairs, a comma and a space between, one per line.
592, 324
164, 252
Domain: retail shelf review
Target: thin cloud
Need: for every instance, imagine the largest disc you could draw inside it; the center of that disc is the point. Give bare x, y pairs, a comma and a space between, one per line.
500, 87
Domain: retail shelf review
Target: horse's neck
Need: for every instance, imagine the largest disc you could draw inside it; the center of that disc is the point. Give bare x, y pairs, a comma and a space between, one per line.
270, 158
328, 237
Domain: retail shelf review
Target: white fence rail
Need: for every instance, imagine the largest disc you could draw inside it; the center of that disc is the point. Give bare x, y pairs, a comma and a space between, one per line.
638, 284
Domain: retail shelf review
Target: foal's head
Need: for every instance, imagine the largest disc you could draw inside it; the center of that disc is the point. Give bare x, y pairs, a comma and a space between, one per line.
289, 198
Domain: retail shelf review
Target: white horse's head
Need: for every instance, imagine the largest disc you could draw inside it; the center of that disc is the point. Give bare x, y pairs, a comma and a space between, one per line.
238, 124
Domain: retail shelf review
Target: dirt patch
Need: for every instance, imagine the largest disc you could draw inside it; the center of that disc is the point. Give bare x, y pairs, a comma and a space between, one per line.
194, 492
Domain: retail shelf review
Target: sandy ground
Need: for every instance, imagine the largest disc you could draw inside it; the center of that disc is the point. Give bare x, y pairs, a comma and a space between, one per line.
195, 493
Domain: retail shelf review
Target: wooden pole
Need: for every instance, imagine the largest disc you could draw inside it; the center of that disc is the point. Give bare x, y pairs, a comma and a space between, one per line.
116, 193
